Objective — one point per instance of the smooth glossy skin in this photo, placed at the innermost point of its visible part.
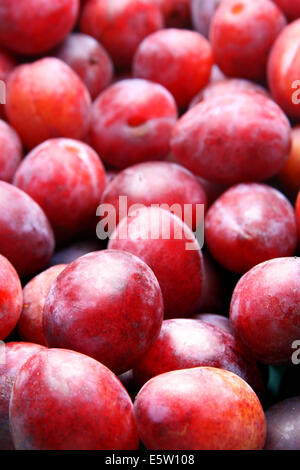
(66, 178)
(11, 151)
(132, 122)
(176, 13)
(30, 324)
(13, 356)
(216, 320)
(187, 343)
(120, 25)
(289, 177)
(264, 310)
(26, 237)
(11, 297)
(149, 183)
(219, 139)
(7, 64)
(248, 224)
(283, 425)
(46, 99)
(189, 59)
(242, 34)
(202, 12)
(88, 58)
(171, 250)
(284, 70)
(107, 305)
(199, 409)
(291, 8)
(35, 26)
(214, 292)
(228, 85)
(63, 400)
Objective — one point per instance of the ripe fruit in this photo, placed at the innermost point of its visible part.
(187, 343)
(132, 122)
(248, 224)
(264, 310)
(289, 176)
(30, 324)
(86, 56)
(106, 304)
(176, 13)
(47, 99)
(149, 183)
(283, 425)
(202, 12)
(11, 151)
(26, 237)
(284, 70)
(63, 400)
(237, 137)
(12, 358)
(35, 26)
(189, 59)
(120, 25)
(11, 297)
(242, 34)
(199, 409)
(66, 178)
(171, 250)
(291, 8)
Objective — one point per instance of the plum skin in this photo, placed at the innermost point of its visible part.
(203, 408)
(11, 297)
(106, 304)
(16, 354)
(131, 122)
(34, 27)
(249, 224)
(30, 324)
(47, 99)
(188, 343)
(66, 178)
(177, 262)
(220, 138)
(264, 311)
(64, 400)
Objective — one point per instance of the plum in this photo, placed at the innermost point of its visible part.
(149, 183)
(120, 25)
(47, 99)
(248, 224)
(26, 236)
(283, 425)
(107, 305)
(203, 408)
(189, 59)
(30, 324)
(171, 250)
(132, 122)
(11, 152)
(233, 138)
(187, 343)
(242, 34)
(66, 178)
(11, 297)
(15, 355)
(35, 26)
(88, 58)
(63, 400)
(264, 310)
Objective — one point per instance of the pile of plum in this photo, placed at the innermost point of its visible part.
(120, 328)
